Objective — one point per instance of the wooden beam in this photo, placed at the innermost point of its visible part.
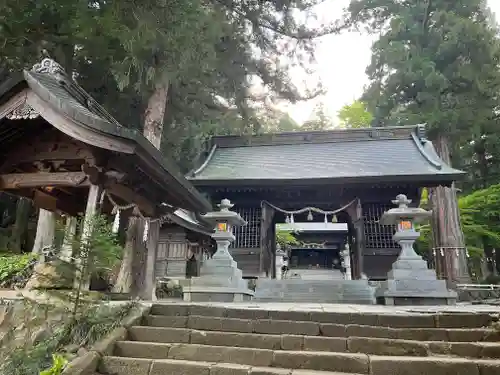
(26, 155)
(141, 177)
(51, 203)
(112, 182)
(16, 181)
(129, 196)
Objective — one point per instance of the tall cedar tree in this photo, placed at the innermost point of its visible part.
(435, 62)
(207, 70)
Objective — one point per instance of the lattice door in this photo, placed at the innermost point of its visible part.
(377, 236)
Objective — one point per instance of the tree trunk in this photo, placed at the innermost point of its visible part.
(17, 239)
(45, 231)
(153, 130)
(447, 229)
(124, 280)
(155, 112)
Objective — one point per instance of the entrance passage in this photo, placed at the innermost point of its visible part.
(316, 258)
(316, 251)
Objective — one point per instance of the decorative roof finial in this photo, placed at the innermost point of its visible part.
(49, 66)
(421, 132)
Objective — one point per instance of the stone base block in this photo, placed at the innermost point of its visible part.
(216, 294)
(416, 301)
(415, 292)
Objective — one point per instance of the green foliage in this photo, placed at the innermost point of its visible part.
(491, 279)
(276, 121)
(169, 289)
(97, 252)
(480, 213)
(58, 364)
(15, 269)
(355, 115)
(480, 157)
(210, 54)
(436, 63)
(319, 121)
(92, 324)
(480, 217)
(286, 239)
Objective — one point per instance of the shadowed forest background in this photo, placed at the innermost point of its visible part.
(184, 70)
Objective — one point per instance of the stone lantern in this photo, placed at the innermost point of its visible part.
(410, 281)
(220, 278)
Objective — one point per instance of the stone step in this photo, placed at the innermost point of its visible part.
(318, 291)
(308, 328)
(408, 320)
(367, 345)
(318, 361)
(139, 366)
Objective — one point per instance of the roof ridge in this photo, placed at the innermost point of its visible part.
(200, 169)
(325, 136)
(55, 70)
(438, 164)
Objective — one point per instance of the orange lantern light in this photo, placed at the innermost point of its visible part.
(405, 225)
(222, 227)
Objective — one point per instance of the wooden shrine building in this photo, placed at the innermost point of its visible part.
(65, 152)
(313, 174)
(183, 244)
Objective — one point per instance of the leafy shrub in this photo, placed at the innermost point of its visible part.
(95, 255)
(286, 239)
(91, 325)
(169, 289)
(491, 279)
(58, 363)
(15, 270)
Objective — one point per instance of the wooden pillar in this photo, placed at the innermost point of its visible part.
(263, 237)
(272, 260)
(355, 212)
(18, 235)
(266, 241)
(148, 291)
(360, 246)
(91, 210)
(69, 237)
(45, 230)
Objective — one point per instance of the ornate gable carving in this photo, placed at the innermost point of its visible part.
(23, 112)
(49, 66)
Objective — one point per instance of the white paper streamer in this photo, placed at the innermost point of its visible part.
(116, 222)
(146, 230)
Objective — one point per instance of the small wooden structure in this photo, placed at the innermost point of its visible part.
(183, 244)
(61, 149)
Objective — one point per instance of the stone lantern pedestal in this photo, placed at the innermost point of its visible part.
(220, 278)
(410, 282)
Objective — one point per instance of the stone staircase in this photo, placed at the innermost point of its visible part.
(318, 291)
(180, 339)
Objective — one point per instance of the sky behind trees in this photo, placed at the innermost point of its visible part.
(341, 61)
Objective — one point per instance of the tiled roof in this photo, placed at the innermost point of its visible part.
(66, 97)
(402, 156)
